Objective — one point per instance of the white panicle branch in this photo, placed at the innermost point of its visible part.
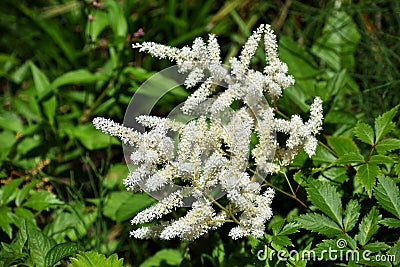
(214, 151)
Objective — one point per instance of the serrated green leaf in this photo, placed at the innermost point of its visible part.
(324, 246)
(396, 168)
(319, 223)
(325, 197)
(351, 215)
(376, 246)
(342, 145)
(384, 124)
(92, 258)
(350, 158)
(395, 251)
(390, 222)
(168, 256)
(350, 242)
(380, 159)
(368, 226)
(366, 175)
(389, 144)
(39, 244)
(276, 224)
(306, 255)
(255, 244)
(388, 195)
(289, 228)
(60, 251)
(279, 242)
(364, 133)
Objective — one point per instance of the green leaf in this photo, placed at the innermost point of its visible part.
(338, 42)
(11, 121)
(376, 246)
(351, 215)
(49, 108)
(324, 246)
(81, 76)
(340, 117)
(364, 133)
(8, 190)
(121, 206)
(60, 251)
(219, 251)
(342, 145)
(93, 139)
(390, 222)
(7, 141)
(302, 66)
(92, 258)
(322, 155)
(40, 80)
(368, 226)
(319, 223)
(7, 218)
(279, 242)
(380, 159)
(276, 224)
(95, 27)
(325, 197)
(395, 251)
(39, 244)
(389, 144)
(388, 195)
(384, 124)
(366, 175)
(114, 177)
(117, 19)
(335, 174)
(165, 256)
(24, 192)
(350, 158)
(396, 168)
(289, 228)
(40, 200)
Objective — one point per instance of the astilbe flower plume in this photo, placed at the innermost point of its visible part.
(213, 153)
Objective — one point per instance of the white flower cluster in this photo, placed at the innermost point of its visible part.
(213, 154)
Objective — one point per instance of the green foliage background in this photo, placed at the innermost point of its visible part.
(64, 62)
